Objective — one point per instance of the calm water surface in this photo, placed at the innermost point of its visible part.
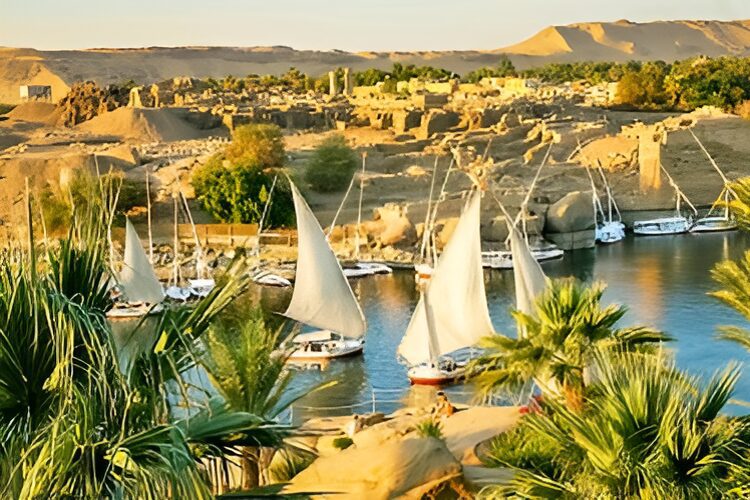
(663, 280)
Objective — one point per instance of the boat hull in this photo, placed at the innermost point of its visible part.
(661, 227)
(610, 232)
(713, 225)
(430, 375)
(326, 350)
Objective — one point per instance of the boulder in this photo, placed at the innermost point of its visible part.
(397, 229)
(385, 471)
(496, 230)
(573, 212)
(437, 121)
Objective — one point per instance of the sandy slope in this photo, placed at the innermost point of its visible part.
(143, 125)
(620, 40)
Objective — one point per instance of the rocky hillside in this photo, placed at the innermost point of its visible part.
(619, 41)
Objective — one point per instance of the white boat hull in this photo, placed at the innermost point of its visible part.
(504, 259)
(610, 232)
(270, 279)
(428, 374)
(319, 350)
(664, 226)
(713, 225)
(361, 269)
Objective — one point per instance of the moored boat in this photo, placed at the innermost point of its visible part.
(452, 311)
(713, 224)
(141, 291)
(662, 226)
(322, 297)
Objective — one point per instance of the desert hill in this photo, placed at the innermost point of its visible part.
(621, 40)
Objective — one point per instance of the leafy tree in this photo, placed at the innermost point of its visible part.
(649, 431)
(238, 193)
(568, 327)
(503, 69)
(258, 143)
(369, 77)
(644, 88)
(332, 165)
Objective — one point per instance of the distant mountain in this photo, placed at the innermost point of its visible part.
(620, 41)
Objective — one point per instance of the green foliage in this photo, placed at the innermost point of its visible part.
(503, 69)
(648, 431)
(257, 143)
(723, 82)
(369, 77)
(238, 193)
(558, 342)
(234, 186)
(644, 88)
(342, 443)
(6, 108)
(429, 429)
(332, 165)
(591, 72)
(57, 205)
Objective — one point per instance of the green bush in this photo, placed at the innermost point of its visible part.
(57, 204)
(342, 443)
(257, 143)
(237, 193)
(331, 166)
(6, 108)
(429, 428)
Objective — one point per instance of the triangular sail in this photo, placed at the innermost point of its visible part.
(322, 296)
(137, 277)
(529, 277)
(455, 298)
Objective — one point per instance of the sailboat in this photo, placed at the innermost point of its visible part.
(667, 225)
(543, 250)
(263, 277)
(452, 311)
(141, 291)
(715, 223)
(608, 228)
(322, 297)
(359, 268)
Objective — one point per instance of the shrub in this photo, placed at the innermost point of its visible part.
(257, 143)
(57, 204)
(331, 166)
(342, 443)
(238, 193)
(429, 428)
(6, 108)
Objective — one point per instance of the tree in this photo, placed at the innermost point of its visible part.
(257, 143)
(238, 193)
(332, 165)
(644, 88)
(568, 327)
(505, 68)
(650, 431)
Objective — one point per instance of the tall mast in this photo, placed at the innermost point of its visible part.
(425, 233)
(359, 210)
(175, 263)
(150, 232)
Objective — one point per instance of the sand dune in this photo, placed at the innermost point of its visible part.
(621, 40)
(143, 125)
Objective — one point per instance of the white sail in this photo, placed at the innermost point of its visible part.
(529, 277)
(452, 313)
(322, 296)
(137, 277)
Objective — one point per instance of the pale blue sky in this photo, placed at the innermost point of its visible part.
(323, 24)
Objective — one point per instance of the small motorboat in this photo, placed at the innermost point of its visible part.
(662, 226)
(324, 344)
(713, 225)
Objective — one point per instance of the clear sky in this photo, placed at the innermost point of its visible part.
(323, 24)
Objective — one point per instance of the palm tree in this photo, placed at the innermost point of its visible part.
(73, 423)
(247, 366)
(557, 343)
(649, 431)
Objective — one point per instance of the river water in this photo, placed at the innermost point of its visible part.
(663, 280)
